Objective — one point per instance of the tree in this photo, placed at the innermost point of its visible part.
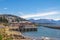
(0, 19)
(3, 20)
(17, 20)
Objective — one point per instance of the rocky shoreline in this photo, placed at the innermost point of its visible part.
(14, 35)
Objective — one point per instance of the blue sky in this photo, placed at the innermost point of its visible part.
(36, 9)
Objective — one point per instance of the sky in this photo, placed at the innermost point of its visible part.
(31, 9)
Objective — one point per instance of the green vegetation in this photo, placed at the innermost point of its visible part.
(5, 38)
(0, 37)
(4, 35)
(3, 20)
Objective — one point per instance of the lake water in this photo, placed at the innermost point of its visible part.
(44, 32)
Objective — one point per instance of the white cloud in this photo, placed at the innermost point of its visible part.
(54, 18)
(47, 18)
(5, 8)
(39, 14)
(20, 13)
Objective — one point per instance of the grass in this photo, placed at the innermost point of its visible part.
(1, 37)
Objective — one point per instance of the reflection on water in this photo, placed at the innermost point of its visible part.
(44, 32)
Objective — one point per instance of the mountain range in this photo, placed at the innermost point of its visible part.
(45, 21)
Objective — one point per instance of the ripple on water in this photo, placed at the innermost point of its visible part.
(44, 32)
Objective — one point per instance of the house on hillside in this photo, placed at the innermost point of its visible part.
(21, 23)
(24, 26)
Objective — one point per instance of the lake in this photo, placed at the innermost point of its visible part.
(44, 32)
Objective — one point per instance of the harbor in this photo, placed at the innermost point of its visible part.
(42, 33)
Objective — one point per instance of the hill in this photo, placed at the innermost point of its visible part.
(12, 18)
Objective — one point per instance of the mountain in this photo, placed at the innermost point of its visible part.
(43, 21)
(50, 23)
(47, 22)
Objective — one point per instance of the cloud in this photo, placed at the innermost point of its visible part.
(5, 8)
(54, 18)
(20, 13)
(40, 14)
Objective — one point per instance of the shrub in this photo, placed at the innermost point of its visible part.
(0, 37)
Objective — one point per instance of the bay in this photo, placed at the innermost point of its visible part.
(44, 32)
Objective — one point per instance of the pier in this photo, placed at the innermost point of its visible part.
(23, 26)
(27, 28)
